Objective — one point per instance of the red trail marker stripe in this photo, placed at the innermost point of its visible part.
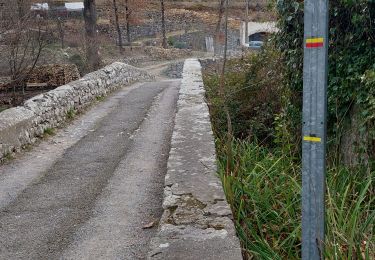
(314, 42)
(314, 45)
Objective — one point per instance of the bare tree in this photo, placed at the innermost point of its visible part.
(132, 15)
(229, 166)
(128, 12)
(22, 8)
(23, 40)
(92, 46)
(222, 75)
(117, 24)
(218, 25)
(163, 29)
(60, 27)
(25, 47)
(247, 2)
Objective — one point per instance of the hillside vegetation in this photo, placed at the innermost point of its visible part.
(259, 150)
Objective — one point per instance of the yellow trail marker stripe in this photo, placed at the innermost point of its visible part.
(312, 139)
(315, 40)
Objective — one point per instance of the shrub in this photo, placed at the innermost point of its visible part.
(180, 45)
(79, 61)
(263, 183)
(252, 94)
(49, 131)
(351, 55)
(171, 41)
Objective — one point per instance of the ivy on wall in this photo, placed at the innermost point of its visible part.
(351, 59)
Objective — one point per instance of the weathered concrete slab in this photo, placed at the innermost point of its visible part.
(196, 223)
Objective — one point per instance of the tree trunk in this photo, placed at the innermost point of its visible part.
(354, 143)
(92, 52)
(21, 9)
(218, 25)
(60, 26)
(117, 24)
(127, 16)
(165, 44)
(229, 151)
(247, 22)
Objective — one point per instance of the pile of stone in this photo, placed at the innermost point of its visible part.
(4, 80)
(5, 83)
(50, 76)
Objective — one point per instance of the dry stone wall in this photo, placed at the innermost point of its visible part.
(21, 125)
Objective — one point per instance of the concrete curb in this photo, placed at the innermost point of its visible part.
(196, 223)
(21, 125)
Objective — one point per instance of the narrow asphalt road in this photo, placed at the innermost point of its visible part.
(87, 192)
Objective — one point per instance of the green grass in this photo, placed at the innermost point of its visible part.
(49, 131)
(3, 108)
(100, 98)
(264, 190)
(8, 156)
(71, 114)
(262, 179)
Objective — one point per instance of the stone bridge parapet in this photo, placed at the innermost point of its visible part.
(21, 125)
(197, 220)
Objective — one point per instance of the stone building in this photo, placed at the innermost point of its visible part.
(256, 31)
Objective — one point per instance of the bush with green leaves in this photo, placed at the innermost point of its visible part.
(351, 60)
(252, 93)
(263, 93)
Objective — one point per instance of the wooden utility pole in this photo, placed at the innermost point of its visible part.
(117, 24)
(92, 52)
(165, 44)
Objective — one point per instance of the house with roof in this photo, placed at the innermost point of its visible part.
(40, 9)
(58, 9)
